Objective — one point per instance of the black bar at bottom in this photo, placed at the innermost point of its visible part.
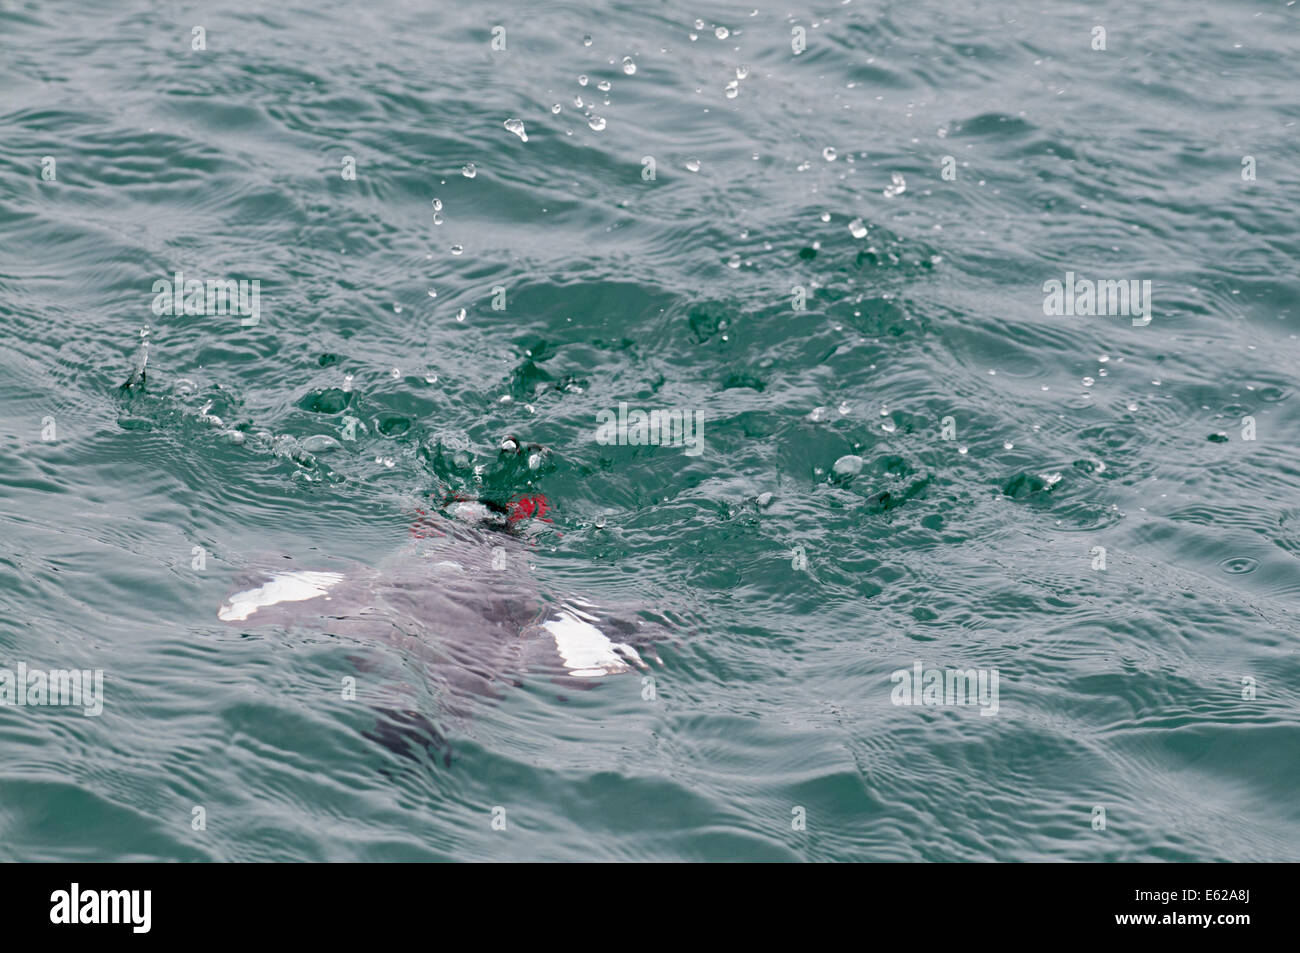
(947, 903)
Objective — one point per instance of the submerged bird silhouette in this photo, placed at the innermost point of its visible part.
(459, 598)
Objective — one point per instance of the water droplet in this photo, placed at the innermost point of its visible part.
(457, 249)
(1008, 445)
(586, 39)
(396, 374)
(437, 205)
(963, 450)
(319, 443)
(582, 80)
(597, 123)
(699, 24)
(818, 414)
(733, 261)
(577, 102)
(397, 309)
(732, 90)
(432, 293)
(897, 185)
(829, 154)
(721, 32)
(693, 165)
(889, 426)
(468, 170)
(1239, 564)
(517, 127)
(460, 315)
(847, 465)
(437, 218)
(556, 108)
(857, 229)
(742, 72)
(628, 66)
(604, 85)
(1088, 382)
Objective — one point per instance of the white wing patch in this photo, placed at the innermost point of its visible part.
(295, 586)
(586, 651)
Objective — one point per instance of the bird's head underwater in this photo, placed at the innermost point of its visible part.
(501, 503)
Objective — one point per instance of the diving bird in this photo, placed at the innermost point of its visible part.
(459, 600)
